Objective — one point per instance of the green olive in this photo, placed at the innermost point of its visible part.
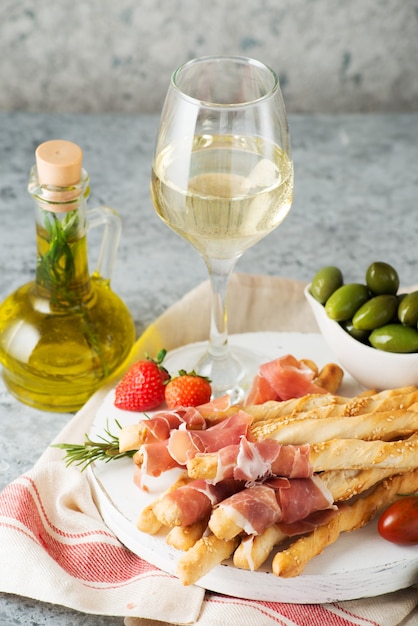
(356, 333)
(345, 301)
(382, 278)
(376, 312)
(408, 309)
(395, 338)
(325, 282)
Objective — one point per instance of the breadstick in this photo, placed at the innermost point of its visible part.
(255, 549)
(223, 526)
(184, 537)
(192, 502)
(172, 512)
(311, 364)
(202, 557)
(328, 405)
(344, 484)
(273, 408)
(129, 438)
(147, 521)
(203, 466)
(340, 454)
(330, 377)
(384, 425)
(292, 561)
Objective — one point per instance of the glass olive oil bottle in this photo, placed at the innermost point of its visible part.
(63, 334)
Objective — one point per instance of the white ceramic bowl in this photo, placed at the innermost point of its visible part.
(372, 368)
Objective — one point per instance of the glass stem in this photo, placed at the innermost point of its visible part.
(218, 363)
(220, 271)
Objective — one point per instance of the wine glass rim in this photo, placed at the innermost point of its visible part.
(226, 58)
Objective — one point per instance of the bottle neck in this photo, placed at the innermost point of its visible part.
(62, 272)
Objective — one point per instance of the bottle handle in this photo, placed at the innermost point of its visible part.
(110, 219)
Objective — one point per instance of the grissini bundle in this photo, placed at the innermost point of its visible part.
(362, 450)
(251, 551)
(293, 560)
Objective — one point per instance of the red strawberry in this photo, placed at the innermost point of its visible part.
(187, 389)
(142, 387)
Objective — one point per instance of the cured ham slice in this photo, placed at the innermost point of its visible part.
(185, 444)
(153, 459)
(182, 444)
(261, 391)
(301, 497)
(158, 427)
(309, 523)
(215, 407)
(252, 461)
(256, 508)
(251, 510)
(282, 379)
(193, 502)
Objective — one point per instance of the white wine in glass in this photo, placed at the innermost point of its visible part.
(222, 178)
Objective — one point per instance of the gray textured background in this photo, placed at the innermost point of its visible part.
(106, 56)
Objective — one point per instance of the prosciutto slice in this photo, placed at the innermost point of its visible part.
(287, 500)
(282, 379)
(185, 444)
(158, 456)
(301, 497)
(252, 510)
(154, 458)
(193, 502)
(159, 427)
(309, 523)
(252, 461)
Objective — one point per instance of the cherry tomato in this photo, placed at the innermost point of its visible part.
(399, 522)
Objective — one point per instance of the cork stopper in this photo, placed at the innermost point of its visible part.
(59, 163)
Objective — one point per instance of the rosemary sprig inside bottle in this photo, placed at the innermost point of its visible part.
(56, 267)
(104, 449)
(62, 270)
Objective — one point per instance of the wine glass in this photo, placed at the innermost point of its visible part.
(222, 178)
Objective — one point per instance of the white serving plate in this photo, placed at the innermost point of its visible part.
(359, 564)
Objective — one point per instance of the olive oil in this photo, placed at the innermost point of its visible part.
(63, 334)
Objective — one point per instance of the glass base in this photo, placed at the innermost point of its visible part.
(232, 375)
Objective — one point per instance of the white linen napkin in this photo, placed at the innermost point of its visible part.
(54, 546)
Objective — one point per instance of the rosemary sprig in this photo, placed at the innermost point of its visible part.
(82, 455)
(56, 271)
(56, 266)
